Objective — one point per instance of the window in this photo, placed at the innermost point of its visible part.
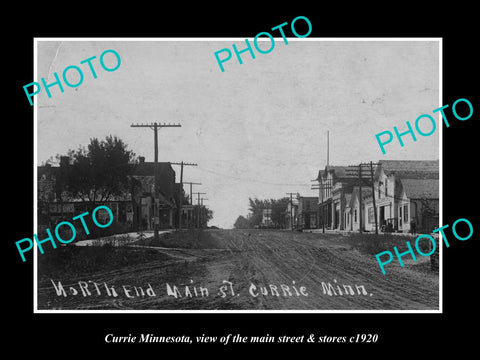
(405, 213)
(400, 216)
(386, 187)
(355, 215)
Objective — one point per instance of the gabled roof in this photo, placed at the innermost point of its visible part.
(416, 175)
(405, 166)
(421, 188)
(366, 192)
(348, 199)
(409, 169)
(337, 171)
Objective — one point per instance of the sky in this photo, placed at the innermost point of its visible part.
(259, 129)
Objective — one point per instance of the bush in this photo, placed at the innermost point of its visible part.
(188, 239)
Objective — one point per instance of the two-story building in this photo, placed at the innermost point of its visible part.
(132, 210)
(326, 181)
(335, 190)
(144, 194)
(307, 212)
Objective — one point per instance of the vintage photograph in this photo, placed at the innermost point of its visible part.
(166, 184)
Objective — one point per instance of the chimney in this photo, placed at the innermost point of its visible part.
(141, 159)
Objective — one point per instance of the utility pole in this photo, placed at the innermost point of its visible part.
(328, 148)
(155, 126)
(322, 187)
(370, 165)
(182, 164)
(191, 183)
(360, 197)
(370, 178)
(198, 207)
(365, 178)
(203, 211)
(373, 194)
(191, 199)
(291, 208)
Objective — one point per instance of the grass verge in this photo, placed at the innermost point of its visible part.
(185, 239)
(75, 260)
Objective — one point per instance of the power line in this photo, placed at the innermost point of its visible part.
(182, 164)
(198, 207)
(191, 183)
(322, 188)
(252, 180)
(155, 126)
(291, 208)
(190, 213)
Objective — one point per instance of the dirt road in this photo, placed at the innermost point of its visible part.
(248, 270)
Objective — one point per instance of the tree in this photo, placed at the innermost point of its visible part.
(256, 211)
(242, 223)
(97, 173)
(205, 215)
(278, 212)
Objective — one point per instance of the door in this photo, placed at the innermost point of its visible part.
(382, 215)
(307, 220)
(337, 215)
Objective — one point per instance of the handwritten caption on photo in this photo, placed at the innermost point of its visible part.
(193, 290)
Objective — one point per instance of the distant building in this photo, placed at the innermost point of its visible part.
(307, 216)
(267, 217)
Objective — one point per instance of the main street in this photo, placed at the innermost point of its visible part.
(246, 270)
